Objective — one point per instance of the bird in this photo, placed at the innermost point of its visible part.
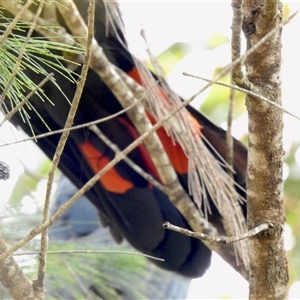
(127, 203)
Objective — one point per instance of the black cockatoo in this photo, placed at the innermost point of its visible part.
(127, 203)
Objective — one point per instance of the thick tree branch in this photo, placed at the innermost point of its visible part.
(14, 280)
(268, 266)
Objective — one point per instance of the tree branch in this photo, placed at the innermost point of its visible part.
(63, 141)
(14, 280)
(268, 271)
(219, 239)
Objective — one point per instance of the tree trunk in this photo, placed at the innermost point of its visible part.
(268, 266)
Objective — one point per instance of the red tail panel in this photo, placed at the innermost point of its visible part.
(111, 180)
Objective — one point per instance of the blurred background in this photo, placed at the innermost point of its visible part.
(192, 37)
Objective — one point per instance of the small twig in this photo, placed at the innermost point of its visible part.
(84, 125)
(86, 292)
(90, 252)
(248, 92)
(236, 72)
(237, 75)
(229, 137)
(219, 239)
(63, 140)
